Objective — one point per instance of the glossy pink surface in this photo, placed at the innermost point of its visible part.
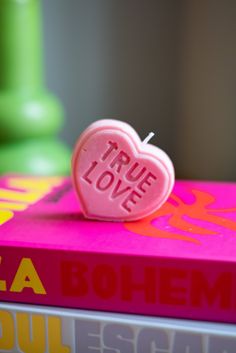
(198, 221)
(178, 262)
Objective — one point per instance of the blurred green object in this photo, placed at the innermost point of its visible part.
(30, 117)
(37, 156)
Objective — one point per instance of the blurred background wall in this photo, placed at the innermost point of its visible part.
(162, 65)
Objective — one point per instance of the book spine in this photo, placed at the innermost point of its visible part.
(26, 329)
(139, 285)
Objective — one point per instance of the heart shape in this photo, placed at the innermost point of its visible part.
(118, 177)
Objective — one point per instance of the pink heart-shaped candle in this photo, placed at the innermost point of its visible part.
(117, 176)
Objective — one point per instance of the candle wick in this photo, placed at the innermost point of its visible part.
(148, 138)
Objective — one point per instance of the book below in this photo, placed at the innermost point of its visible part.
(28, 328)
(178, 262)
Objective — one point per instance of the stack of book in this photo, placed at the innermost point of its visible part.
(165, 284)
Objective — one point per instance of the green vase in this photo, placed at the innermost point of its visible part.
(30, 117)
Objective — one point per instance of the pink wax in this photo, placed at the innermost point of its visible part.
(117, 176)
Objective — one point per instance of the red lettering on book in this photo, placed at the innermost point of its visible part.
(104, 281)
(173, 286)
(129, 285)
(217, 293)
(74, 282)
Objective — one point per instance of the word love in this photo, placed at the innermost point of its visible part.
(117, 176)
(135, 174)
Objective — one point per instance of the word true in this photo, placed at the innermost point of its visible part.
(133, 180)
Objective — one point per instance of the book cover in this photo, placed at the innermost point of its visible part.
(26, 329)
(179, 262)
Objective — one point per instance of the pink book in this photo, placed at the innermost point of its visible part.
(178, 262)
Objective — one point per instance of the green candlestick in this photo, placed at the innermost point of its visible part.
(28, 112)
